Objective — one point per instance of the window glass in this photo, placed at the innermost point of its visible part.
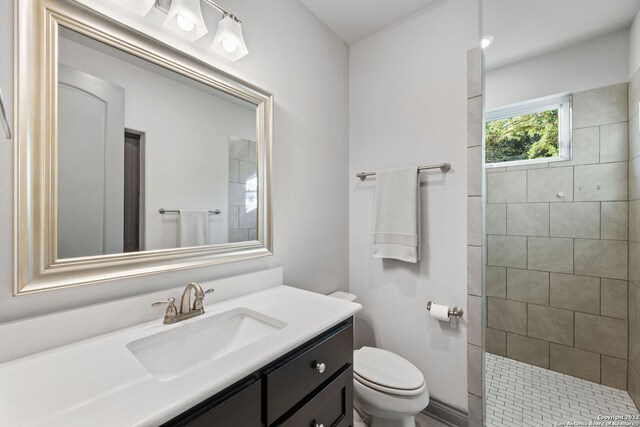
(530, 132)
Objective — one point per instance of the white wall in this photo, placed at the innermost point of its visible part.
(186, 141)
(602, 61)
(305, 65)
(634, 46)
(408, 104)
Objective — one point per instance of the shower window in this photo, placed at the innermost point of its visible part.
(535, 131)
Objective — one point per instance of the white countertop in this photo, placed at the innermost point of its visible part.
(99, 382)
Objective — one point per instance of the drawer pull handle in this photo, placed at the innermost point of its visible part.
(315, 424)
(319, 366)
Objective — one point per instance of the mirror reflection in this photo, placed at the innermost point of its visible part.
(147, 158)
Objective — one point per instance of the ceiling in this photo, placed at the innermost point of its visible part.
(353, 20)
(525, 28)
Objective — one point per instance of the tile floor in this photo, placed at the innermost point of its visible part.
(519, 394)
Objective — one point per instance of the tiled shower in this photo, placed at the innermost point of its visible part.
(558, 250)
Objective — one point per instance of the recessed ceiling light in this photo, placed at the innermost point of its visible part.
(486, 41)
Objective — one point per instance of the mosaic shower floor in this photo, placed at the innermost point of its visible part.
(519, 394)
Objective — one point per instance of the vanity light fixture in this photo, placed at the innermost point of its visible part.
(141, 7)
(486, 41)
(185, 18)
(229, 41)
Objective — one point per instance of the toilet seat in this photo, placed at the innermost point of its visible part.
(387, 372)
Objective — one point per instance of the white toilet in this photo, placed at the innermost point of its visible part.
(388, 389)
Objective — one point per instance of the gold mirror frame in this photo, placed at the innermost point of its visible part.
(36, 267)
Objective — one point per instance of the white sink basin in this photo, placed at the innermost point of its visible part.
(172, 353)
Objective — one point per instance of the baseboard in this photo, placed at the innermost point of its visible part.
(446, 413)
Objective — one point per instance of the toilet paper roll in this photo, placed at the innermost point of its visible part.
(440, 312)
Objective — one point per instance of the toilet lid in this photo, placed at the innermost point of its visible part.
(386, 371)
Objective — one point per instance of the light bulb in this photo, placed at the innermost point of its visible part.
(486, 42)
(229, 45)
(185, 23)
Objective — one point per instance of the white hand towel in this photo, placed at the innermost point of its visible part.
(396, 222)
(194, 228)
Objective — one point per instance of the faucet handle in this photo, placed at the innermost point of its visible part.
(197, 303)
(172, 311)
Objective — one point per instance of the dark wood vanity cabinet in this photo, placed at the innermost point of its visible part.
(308, 387)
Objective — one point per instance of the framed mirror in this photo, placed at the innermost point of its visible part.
(131, 157)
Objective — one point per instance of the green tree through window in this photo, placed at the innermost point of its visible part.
(523, 137)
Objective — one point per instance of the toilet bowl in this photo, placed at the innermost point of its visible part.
(389, 390)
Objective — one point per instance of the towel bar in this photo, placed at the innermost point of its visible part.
(444, 167)
(176, 211)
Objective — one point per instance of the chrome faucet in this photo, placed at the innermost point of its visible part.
(187, 310)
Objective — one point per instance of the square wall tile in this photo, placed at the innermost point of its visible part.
(476, 409)
(585, 148)
(614, 372)
(634, 140)
(550, 254)
(602, 335)
(604, 182)
(613, 297)
(474, 320)
(634, 94)
(581, 219)
(474, 221)
(474, 270)
(615, 220)
(496, 281)
(550, 185)
(601, 258)
(474, 370)
(633, 385)
(574, 362)
(238, 148)
(238, 235)
(633, 221)
(578, 293)
(507, 315)
(600, 106)
(233, 170)
(232, 217)
(496, 342)
(614, 142)
(245, 171)
(528, 219)
(528, 350)
(634, 178)
(474, 171)
(496, 218)
(237, 194)
(474, 72)
(507, 187)
(474, 122)
(247, 219)
(507, 251)
(634, 259)
(550, 324)
(528, 286)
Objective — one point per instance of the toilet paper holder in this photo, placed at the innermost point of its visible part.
(455, 311)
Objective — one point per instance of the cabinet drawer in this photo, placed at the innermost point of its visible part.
(331, 407)
(290, 382)
(240, 410)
